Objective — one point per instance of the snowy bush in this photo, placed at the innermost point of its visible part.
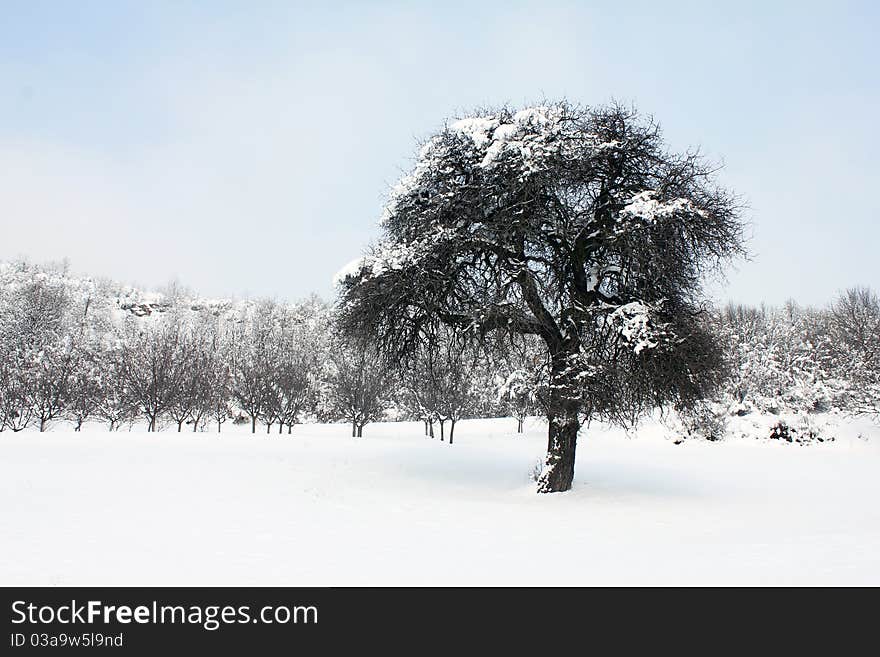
(705, 421)
(802, 430)
(802, 360)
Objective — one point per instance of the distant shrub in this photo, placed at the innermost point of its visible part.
(703, 421)
(801, 430)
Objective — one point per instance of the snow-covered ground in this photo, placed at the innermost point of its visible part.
(395, 508)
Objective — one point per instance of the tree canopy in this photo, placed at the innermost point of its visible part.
(571, 223)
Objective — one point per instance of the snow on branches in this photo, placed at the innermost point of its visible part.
(637, 328)
(572, 224)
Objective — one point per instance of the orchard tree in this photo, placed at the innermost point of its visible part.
(39, 352)
(221, 397)
(438, 384)
(86, 388)
(854, 331)
(117, 404)
(298, 368)
(16, 411)
(417, 392)
(253, 355)
(518, 393)
(357, 384)
(520, 384)
(153, 368)
(51, 369)
(451, 365)
(218, 378)
(199, 349)
(570, 223)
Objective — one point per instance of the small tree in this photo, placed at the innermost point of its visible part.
(116, 405)
(51, 370)
(517, 391)
(220, 394)
(153, 368)
(249, 385)
(41, 350)
(449, 364)
(417, 392)
(357, 384)
(16, 411)
(522, 385)
(218, 381)
(193, 400)
(572, 224)
(253, 363)
(296, 385)
(854, 344)
(86, 389)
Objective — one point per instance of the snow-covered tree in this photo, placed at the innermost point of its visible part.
(298, 368)
(116, 405)
(153, 367)
(253, 353)
(357, 383)
(86, 388)
(573, 224)
(438, 383)
(51, 372)
(778, 359)
(205, 387)
(520, 381)
(854, 347)
(16, 411)
(518, 393)
(218, 378)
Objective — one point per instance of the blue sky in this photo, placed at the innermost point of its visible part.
(246, 147)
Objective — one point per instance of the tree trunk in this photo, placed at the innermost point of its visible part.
(280, 428)
(360, 431)
(42, 425)
(519, 424)
(253, 424)
(218, 426)
(290, 428)
(451, 430)
(441, 430)
(563, 414)
(426, 427)
(354, 429)
(431, 425)
(179, 426)
(558, 472)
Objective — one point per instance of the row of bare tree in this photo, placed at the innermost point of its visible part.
(76, 354)
(63, 356)
(73, 357)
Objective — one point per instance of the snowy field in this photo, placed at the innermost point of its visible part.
(394, 508)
